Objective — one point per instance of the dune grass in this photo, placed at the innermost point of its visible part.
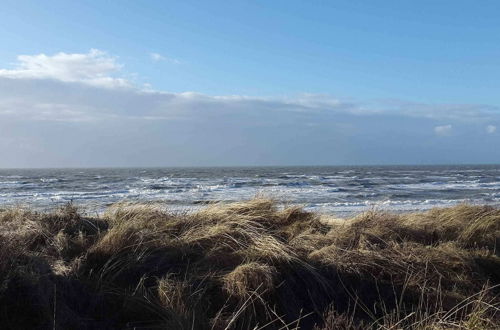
(249, 265)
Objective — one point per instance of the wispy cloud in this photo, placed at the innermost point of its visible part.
(156, 57)
(443, 130)
(490, 129)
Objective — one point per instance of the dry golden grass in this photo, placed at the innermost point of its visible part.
(249, 265)
(249, 278)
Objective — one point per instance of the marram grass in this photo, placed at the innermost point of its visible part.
(249, 265)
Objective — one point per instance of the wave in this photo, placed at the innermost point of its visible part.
(326, 188)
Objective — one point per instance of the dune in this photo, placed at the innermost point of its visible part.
(249, 265)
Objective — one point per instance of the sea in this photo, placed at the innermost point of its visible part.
(337, 190)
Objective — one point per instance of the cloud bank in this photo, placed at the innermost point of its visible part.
(50, 104)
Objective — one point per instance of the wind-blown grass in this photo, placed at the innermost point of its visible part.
(249, 265)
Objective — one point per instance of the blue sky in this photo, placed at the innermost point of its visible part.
(248, 83)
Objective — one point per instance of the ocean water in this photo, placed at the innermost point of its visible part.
(338, 190)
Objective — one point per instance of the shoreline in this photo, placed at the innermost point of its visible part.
(99, 209)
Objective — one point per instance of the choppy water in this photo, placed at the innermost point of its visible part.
(338, 190)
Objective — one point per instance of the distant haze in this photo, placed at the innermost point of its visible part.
(88, 84)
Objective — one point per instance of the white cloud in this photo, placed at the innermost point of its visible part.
(50, 100)
(95, 68)
(63, 94)
(83, 87)
(73, 110)
(443, 130)
(156, 57)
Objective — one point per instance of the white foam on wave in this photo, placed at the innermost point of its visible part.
(345, 191)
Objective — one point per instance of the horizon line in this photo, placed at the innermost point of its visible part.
(246, 166)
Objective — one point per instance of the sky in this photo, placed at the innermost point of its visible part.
(245, 83)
